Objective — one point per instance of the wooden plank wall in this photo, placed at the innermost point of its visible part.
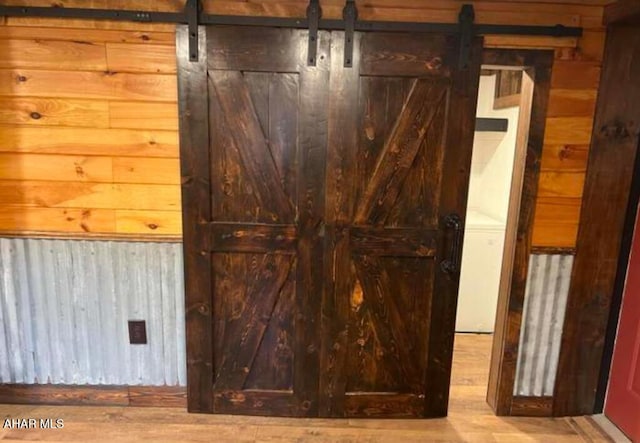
(88, 115)
(88, 128)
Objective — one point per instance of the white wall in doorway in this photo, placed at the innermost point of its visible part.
(490, 185)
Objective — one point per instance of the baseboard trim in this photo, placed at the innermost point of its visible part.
(608, 428)
(532, 406)
(97, 395)
(548, 250)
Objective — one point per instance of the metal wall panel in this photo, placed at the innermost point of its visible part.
(64, 307)
(542, 322)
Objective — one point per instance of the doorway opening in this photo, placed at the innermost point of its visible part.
(493, 210)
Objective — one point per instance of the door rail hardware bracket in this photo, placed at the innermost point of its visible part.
(314, 12)
(192, 12)
(465, 19)
(350, 15)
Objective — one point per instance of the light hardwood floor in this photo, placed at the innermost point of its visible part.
(470, 419)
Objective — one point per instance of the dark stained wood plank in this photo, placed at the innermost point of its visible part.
(370, 366)
(388, 322)
(244, 332)
(158, 396)
(532, 406)
(258, 86)
(95, 395)
(400, 151)
(549, 250)
(385, 406)
(312, 152)
(614, 147)
(261, 49)
(339, 207)
(233, 199)
(235, 100)
(535, 95)
(625, 12)
(399, 242)
(261, 403)
(418, 204)
(334, 322)
(231, 274)
(463, 95)
(272, 368)
(253, 238)
(194, 161)
(391, 54)
(283, 91)
(64, 395)
(227, 192)
(508, 83)
(376, 108)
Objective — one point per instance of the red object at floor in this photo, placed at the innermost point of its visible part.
(623, 398)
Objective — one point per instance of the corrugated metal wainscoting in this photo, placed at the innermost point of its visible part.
(64, 307)
(542, 321)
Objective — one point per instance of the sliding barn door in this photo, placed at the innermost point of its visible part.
(400, 137)
(323, 213)
(262, 163)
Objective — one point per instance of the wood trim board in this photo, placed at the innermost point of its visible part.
(196, 214)
(622, 12)
(547, 250)
(103, 395)
(608, 184)
(519, 232)
(531, 406)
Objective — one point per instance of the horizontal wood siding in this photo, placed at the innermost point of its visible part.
(92, 105)
(89, 130)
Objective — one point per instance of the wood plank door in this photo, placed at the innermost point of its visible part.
(267, 114)
(400, 138)
(253, 344)
(623, 396)
(323, 211)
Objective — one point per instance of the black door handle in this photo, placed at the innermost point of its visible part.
(451, 265)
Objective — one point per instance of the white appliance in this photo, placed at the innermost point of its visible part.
(480, 273)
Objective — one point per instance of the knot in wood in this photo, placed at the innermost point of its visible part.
(434, 64)
(615, 130)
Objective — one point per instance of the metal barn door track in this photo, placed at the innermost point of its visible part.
(193, 16)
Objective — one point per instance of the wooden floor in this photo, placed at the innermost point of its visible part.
(470, 419)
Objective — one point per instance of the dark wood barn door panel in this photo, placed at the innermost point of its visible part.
(266, 111)
(317, 235)
(401, 131)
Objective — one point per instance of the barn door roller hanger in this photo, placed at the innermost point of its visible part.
(193, 16)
